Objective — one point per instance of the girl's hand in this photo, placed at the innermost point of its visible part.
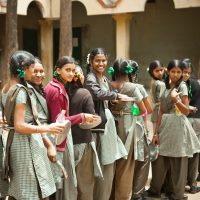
(51, 153)
(175, 94)
(155, 139)
(89, 118)
(56, 128)
(121, 96)
(193, 109)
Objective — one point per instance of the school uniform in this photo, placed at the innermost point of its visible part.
(178, 141)
(194, 118)
(142, 153)
(31, 176)
(87, 164)
(57, 100)
(109, 145)
(126, 123)
(157, 88)
(3, 183)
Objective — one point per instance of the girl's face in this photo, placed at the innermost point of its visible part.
(29, 72)
(99, 63)
(66, 72)
(158, 72)
(175, 74)
(38, 75)
(187, 73)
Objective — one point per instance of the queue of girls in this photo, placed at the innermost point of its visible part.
(53, 145)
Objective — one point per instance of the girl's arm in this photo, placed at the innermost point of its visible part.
(93, 86)
(25, 128)
(155, 136)
(182, 103)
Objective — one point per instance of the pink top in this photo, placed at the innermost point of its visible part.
(57, 100)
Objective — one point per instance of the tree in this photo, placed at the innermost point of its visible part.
(65, 43)
(11, 39)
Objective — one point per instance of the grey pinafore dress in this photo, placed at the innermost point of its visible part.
(157, 88)
(31, 176)
(3, 184)
(176, 135)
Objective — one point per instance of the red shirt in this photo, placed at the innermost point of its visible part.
(57, 100)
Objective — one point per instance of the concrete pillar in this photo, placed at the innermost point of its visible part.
(123, 35)
(46, 42)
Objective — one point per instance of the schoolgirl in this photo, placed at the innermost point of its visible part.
(109, 146)
(177, 144)
(58, 100)
(193, 94)
(126, 123)
(141, 147)
(156, 71)
(86, 159)
(29, 170)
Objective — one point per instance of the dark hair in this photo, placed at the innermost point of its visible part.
(92, 55)
(171, 65)
(186, 64)
(119, 67)
(153, 65)
(40, 87)
(20, 60)
(135, 72)
(63, 61)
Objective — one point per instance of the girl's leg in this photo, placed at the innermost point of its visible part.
(179, 167)
(85, 175)
(160, 168)
(103, 186)
(193, 173)
(141, 173)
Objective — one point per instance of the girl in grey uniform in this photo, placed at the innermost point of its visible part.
(126, 127)
(176, 144)
(193, 90)
(156, 71)
(30, 173)
(142, 150)
(109, 146)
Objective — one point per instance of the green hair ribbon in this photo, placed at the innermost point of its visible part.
(21, 73)
(111, 71)
(128, 69)
(55, 74)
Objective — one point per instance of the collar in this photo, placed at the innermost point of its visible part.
(58, 85)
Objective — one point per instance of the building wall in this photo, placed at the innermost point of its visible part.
(97, 31)
(161, 32)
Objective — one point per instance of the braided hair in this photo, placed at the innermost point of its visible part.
(120, 68)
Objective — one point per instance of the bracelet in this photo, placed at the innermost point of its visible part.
(155, 135)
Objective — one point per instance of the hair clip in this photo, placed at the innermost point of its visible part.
(128, 69)
(21, 73)
(55, 74)
(111, 71)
